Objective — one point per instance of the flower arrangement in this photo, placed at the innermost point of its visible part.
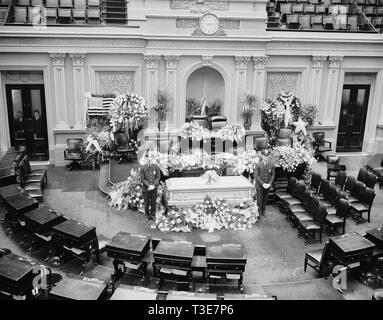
(210, 176)
(308, 113)
(163, 101)
(193, 107)
(232, 132)
(128, 110)
(272, 116)
(209, 215)
(129, 193)
(248, 108)
(194, 131)
(291, 101)
(246, 162)
(97, 147)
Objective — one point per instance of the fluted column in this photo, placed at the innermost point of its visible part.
(315, 84)
(78, 70)
(259, 81)
(58, 66)
(171, 63)
(335, 64)
(241, 64)
(152, 62)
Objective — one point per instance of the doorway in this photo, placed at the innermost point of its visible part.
(352, 118)
(27, 119)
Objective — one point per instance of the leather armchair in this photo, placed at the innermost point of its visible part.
(320, 145)
(73, 153)
(124, 150)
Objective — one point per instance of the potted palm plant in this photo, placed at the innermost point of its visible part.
(248, 108)
(163, 101)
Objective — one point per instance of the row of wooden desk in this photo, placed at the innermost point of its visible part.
(177, 258)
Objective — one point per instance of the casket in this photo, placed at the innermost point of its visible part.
(190, 191)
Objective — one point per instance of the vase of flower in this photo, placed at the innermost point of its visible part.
(248, 108)
(163, 101)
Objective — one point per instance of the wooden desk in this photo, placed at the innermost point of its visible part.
(41, 220)
(72, 234)
(173, 255)
(227, 260)
(10, 191)
(78, 289)
(124, 292)
(351, 248)
(7, 177)
(16, 275)
(131, 248)
(376, 236)
(183, 295)
(20, 204)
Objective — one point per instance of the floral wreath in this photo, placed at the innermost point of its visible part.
(129, 110)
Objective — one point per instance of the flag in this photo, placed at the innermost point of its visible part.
(203, 108)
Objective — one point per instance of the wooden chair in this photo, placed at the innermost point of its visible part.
(293, 21)
(333, 167)
(371, 180)
(317, 22)
(311, 228)
(364, 205)
(357, 192)
(317, 257)
(334, 221)
(362, 175)
(316, 180)
(20, 15)
(261, 143)
(340, 179)
(323, 190)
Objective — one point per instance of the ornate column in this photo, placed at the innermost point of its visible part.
(58, 64)
(241, 64)
(315, 83)
(259, 81)
(152, 62)
(171, 63)
(335, 64)
(78, 87)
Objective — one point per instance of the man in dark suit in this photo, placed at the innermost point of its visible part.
(264, 176)
(150, 178)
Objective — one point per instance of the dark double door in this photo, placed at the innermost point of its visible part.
(24, 101)
(352, 118)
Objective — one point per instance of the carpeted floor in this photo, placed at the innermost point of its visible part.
(275, 253)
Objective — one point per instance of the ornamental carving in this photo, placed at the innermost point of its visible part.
(199, 6)
(229, 24)
(335, 61)
(77, 58)
(207, 61)
(152, 61)
(171, 61)
(117, 82)
(260, 61)
(187, 23)
(318, 61)
(58, 58)
(281, 81)
(241, 62)
(194, 23)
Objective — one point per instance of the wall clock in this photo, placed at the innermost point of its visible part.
(209, 24)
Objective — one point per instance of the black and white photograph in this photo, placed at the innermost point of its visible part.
(229, 151)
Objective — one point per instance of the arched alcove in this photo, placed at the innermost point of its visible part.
(206, 82)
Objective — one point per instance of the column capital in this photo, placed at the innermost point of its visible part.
(77, 58)
(58, 58)
(241, 62)
(335, 62)
(260, 61)
(318, 61)
(171, 61)
(207, 60)
(152, 61)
